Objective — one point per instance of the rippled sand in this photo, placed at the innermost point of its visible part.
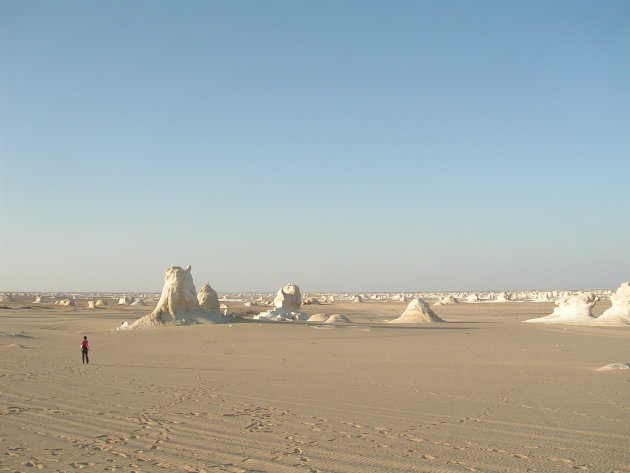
(483, 392)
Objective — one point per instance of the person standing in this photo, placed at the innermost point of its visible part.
(84, 351)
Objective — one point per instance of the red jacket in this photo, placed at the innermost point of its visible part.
(84, 345)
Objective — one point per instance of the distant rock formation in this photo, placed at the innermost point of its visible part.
(287, 305)
(124, 300)
(399, 297)
(504, 297)
(472, 298)
(446, 300)
(138, 302)
(619, 313)
(311, 301)
(571, 309)
(544, 297)
(101, 302)
(208, 298)
(178, 304)
(417, 312)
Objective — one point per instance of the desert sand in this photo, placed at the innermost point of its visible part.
(483, 392)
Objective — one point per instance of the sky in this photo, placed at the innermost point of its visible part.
(342, 146)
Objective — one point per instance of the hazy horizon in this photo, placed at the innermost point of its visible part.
(349, 147)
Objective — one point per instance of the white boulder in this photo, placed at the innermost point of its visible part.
(288, 297)
(417, 312)
(286, 306)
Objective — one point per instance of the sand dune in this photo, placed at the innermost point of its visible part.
(484, 393)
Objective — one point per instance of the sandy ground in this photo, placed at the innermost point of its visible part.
(482, 393)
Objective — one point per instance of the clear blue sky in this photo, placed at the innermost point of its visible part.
(353, 145)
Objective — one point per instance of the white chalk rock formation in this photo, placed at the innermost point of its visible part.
(504, 297)
(417, 312)
(178, 304)
(138, 302)
(357, 299)
(6, 298)
(619, 314)
(472, 298)
(124, 300)
(287, 305)
(311, 301)
(288, 297)
(544, 297)
(399, 297)
(337, 319)
(101, 302)
(208, 298)
(91, 305)
(571, 310)
(446, 300)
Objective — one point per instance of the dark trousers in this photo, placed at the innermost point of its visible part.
(84, 356)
